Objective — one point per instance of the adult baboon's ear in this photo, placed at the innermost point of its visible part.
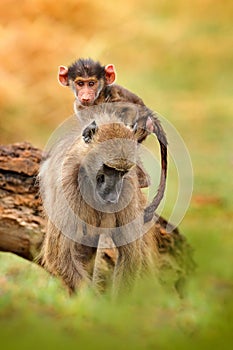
(89, 132)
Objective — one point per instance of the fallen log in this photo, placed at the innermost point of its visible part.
(22, 225)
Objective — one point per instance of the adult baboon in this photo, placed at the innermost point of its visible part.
(90, 190)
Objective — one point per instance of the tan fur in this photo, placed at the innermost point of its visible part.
(66, 256)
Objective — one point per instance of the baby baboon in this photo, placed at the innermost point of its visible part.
(94, 84)
(89, 189)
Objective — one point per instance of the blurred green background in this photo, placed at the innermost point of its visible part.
(176, 55)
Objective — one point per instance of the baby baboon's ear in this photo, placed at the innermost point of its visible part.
(89, 132)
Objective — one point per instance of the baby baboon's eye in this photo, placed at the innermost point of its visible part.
(80, 83)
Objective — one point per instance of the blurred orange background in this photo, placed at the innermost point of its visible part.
(175, 55)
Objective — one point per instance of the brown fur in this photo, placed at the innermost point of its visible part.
(117, 93)
(107, 92)
(69, 257)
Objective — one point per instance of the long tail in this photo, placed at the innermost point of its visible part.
(161, 136)
(150, 209)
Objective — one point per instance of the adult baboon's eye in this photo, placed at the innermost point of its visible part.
(123, 173)
(100, 179)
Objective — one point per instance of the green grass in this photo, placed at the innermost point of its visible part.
(177, 56)
(36, 311)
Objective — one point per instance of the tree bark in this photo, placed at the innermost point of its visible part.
(22, 225)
